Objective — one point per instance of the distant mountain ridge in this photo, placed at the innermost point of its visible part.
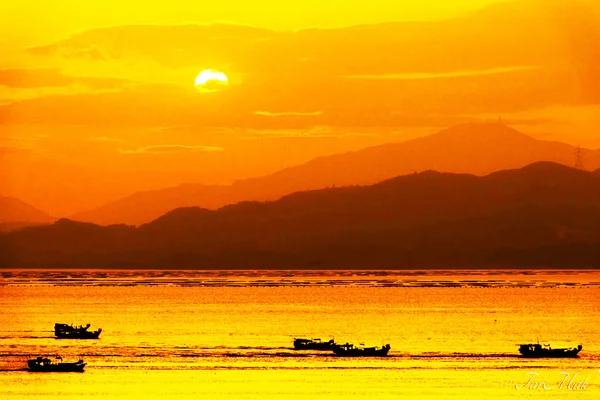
(15, 210)
(16, 214)
(477, 148)
(542, 215)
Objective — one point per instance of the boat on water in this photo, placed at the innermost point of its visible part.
(43, 364)
(349, 350)
(536, 350)
(313, 344)
(64, 331)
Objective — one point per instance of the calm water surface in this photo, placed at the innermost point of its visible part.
(221, 334)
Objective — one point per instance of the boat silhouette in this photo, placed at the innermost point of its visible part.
(349, 350)
(43, 364)
(64, 331)
(313, 344)
(536, 350)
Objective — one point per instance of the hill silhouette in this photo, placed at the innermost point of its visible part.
(478, 148)
(16, 214)
(542, 215)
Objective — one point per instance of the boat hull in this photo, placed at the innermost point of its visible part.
(536, 351)
(36, 366)
(560, 353)
(77, 335)
(344, 351)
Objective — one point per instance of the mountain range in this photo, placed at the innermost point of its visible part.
(542, 215)
(16, 214)
(476, 148)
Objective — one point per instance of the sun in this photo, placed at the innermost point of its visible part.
(210, 80)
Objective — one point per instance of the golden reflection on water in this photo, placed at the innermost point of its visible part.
(236, 342)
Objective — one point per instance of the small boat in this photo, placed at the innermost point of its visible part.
(313, 344)
(349, 350)
(536, 350)
(64, 331)
(42, 364)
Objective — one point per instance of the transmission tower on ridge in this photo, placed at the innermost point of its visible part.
(579, 154)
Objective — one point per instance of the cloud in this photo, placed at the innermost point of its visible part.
(289, 113)
(22, 148)
(92, 52)
(450, 74)
(26, 78)
(15, 144)
(10, 95)
(171, 148)
(105, 139)
(19, 84)
(171, 128)
(32, 78)
(316, 132)
(213, 45)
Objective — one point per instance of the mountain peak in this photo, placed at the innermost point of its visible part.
(15, 210)
(547, 172)
(482, 131)
(547, 166)
(181, 215)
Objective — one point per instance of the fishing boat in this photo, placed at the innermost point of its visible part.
(43, 364)
(536, 350)
(64, 331)
(313, 344)
(349, 350)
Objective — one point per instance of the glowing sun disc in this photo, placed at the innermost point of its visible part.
(210, 80)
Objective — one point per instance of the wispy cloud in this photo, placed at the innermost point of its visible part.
(25, 143)
(450, 74)
(53, 78)
(91, 52)
(21, 148)
(171, 128)
(105, 139)
(288, 113)
(316, 132)
(10, 95)
(170, 148)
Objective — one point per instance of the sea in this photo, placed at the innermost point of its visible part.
(229, 334)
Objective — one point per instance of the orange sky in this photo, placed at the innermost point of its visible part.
(97, 98)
